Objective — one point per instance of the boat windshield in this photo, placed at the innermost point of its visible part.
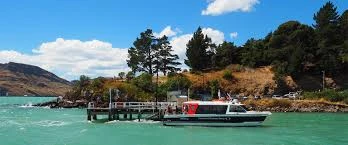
(245, 108)
(236, 108)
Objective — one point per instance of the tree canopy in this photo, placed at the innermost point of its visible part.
(151, 54)
(199, 51)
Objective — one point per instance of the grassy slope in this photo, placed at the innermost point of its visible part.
(258, 81)
(246, 81)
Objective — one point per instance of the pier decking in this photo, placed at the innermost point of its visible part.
(155, 110)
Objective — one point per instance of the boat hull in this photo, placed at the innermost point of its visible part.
(209, 124)
(215, 121)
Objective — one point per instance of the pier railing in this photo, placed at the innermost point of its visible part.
(137, 105)
(116, 108)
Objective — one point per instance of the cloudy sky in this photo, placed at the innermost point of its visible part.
(91, 37)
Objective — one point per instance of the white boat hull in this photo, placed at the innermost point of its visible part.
(241, 119)
(244, 124)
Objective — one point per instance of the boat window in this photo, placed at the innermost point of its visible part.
(211, 109)
(235, 108)
(245, 108)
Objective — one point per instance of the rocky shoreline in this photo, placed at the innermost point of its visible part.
(257, 105)
(297, 106)
(63, 104)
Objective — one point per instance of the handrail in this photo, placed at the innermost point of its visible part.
(138, 105)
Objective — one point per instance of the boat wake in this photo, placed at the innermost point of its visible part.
(142, 121)
(50, 123)
(28, 105)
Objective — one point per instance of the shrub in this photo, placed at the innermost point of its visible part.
(238, 68)
(177, 82)
(144, 82)
(214, 88)
(130, 75)
(227, 75)
(328, 94)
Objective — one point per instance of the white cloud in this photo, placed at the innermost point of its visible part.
(71, 58)
(167, 31)
(179, 47)
(216, 36)
(234, 35)
(179, 42)
(218, 7)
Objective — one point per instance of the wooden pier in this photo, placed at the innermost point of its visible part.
(155, 111)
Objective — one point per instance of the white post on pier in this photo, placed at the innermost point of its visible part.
(110, 98)
(188, 94)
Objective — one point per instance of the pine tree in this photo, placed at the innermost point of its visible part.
(328, 37)
(343, 24)
(327, 24)
(166, 61)
(199, 51)
(142, 55)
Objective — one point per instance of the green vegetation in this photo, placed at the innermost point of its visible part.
(227, 75)
(214, 88)
(121, 75)
(293, 48)
(328, 94)
(140, 88)
(199, 51)
(152, 55)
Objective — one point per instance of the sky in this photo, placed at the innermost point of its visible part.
(91, 37)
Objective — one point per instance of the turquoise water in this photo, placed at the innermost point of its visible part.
(25, 125)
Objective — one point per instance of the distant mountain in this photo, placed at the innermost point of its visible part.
(18, 79)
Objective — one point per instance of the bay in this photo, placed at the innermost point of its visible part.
(22, 124)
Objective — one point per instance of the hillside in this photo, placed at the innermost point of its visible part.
(260, 81)
(20, 79)
(245, 81)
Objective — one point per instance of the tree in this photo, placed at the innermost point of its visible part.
(326, 18)
(252, 53)
(134, 60)
(130, 75)
(226, 54)
(343, 24)
(291, 47)
(144, 81)
(81, 87)
(199, 51)
(122, 75)
(97, 86)
(142, 55)
(328, 37)
(83, 82)
(166, 61)
(178, 82)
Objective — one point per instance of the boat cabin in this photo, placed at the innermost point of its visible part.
(212, 107)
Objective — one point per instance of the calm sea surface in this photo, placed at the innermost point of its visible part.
(21, 124)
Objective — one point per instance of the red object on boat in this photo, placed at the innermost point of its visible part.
(190, 108)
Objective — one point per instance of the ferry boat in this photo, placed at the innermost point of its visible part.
(215, 113)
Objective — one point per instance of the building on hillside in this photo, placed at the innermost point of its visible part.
(178, 96)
